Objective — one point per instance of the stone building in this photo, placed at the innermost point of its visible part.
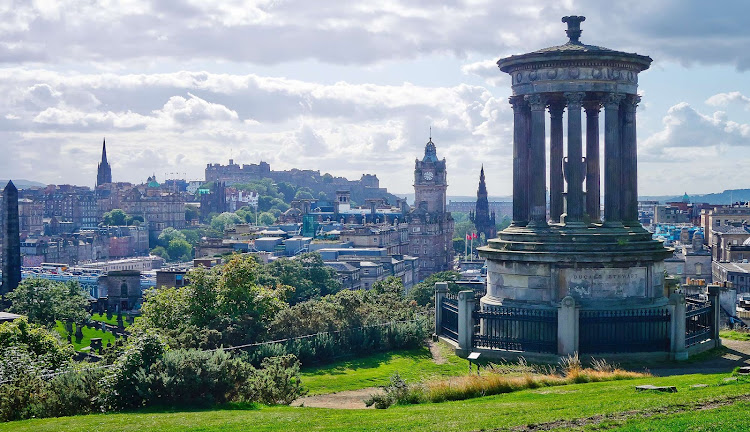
(483, 220)
(122, 289)
(690, 260)
(737, 274)
(430, 225)
(159, 208)
(726, 240)
(214, 202)
(720, 216)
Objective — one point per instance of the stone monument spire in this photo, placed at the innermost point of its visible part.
(104, 171)
(12, 240)
(483, 221)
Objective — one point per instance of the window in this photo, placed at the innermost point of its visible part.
(124, 290)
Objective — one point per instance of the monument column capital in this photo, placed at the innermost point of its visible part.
(611, 101)
(574, 99)
(537, 102)
(592, 107)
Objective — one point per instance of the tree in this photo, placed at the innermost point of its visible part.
(303, 194)
(226, 301)
(307, 275)
(424, 292)
(116, 217)
(180, 249)
(44, 301)
(169, 234)
(191, 213)
(36, 340)
(221, 222)
(266, 218)
(160, 252)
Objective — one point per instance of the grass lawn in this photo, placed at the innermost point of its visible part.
(375, 370)
(87, 335)
(111, 321)
(735, 335)
(578, 401)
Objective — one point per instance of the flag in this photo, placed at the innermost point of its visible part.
(468, 236)
(474, 236)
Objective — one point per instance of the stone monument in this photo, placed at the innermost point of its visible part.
(575, 255)
(12, 240)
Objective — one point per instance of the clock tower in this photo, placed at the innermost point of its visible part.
(430, 225)
(430, 181)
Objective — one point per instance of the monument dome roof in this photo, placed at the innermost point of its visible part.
(573, 50)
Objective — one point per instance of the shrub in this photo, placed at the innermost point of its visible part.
(72, 393)
(397, 391)
(276, 382)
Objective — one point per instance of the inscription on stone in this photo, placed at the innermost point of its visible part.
(605, 283)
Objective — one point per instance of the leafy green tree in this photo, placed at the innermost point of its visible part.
(308, 276)
(191, 213)
(424, 292)
(160, 252)
(391, 285)
(179, 249)
(226, 300)
(288, 190)
(169, 234)
(303, 194)
(36, 340)
(44, 301)
(116, 217)
(460, 229)
(223, 221)
(266, 218)
(505, 223)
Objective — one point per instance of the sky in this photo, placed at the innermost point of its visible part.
(349, 87)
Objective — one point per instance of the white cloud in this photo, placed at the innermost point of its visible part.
(342, 128)
(724, 99)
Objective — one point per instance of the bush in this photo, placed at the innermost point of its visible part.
(277, 382)
(396, 392)
(71, 393)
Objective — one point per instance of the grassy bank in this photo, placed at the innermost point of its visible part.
(564, 403)
(739, 335)
(375, 370)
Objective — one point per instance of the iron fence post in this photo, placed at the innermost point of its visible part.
(465, 322)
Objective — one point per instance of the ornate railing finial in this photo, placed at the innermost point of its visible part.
(574, 27)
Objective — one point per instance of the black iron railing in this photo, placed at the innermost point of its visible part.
(449, 316)
(698, 322)
(632, 330)
(516, 329)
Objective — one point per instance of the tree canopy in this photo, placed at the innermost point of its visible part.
(44, 301)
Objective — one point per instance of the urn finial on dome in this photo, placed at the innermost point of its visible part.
(574, 27)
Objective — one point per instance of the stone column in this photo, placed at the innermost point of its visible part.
(593, 198)
(465, 322)
(567, 326)
(629, 159)
(714, 291)
(678, 310)
(520, 161)
(537, 165)
(575, 166)
(556, 108)
(441, 289)
(612, 160)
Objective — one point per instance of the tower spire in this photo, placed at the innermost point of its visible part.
(104, 150)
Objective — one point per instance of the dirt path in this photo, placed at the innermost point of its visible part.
(437, 354)
(352, 399)
(737, 353)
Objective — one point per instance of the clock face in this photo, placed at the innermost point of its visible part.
(428, 175)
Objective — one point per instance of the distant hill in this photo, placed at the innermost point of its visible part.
(729, 196)
(22, 184)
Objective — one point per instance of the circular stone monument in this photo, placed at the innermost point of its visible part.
(603, 262)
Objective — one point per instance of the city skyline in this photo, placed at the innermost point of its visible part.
(349, 89)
